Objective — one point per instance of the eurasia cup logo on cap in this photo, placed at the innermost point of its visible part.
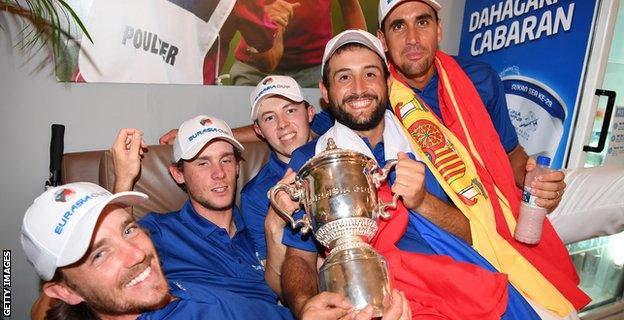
(274, 85)
(196, 132)
(64, 195)
(205, 122)
(267, 81)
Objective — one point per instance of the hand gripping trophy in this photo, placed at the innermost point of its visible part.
(338, 191)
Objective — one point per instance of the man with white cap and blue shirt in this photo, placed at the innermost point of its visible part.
(99, 264)
(281, 116)
(206, 240)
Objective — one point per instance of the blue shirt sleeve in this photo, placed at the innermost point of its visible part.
(322, 122)
(254, 213)
(491, 90)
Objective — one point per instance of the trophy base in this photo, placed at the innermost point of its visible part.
(360, 274)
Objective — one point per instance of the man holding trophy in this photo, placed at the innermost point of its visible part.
(355, 83)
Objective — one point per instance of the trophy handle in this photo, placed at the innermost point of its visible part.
(382, 174)
(295, 193)
(378, 178)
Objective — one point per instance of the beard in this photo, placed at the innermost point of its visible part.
(411, 69)
(340, 113)
(109, 301)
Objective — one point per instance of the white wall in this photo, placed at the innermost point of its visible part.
(31, 100)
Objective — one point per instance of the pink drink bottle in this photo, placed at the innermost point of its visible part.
(531, 216)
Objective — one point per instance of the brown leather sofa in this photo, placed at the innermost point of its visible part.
(164, 194)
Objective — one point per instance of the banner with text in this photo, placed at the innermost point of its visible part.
(539, 48)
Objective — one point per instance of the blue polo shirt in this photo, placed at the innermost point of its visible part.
(194, 301)
(411, 241)
(489, 87)
(191, 248)
(255, 203)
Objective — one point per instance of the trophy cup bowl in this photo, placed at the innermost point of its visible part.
(338, 191)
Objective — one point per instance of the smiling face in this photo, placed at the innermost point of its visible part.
(411, 34)
(284, 124)
(210, 177)
(120, 273)
(358, 88)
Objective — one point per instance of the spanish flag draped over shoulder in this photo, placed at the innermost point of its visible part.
(469, 162)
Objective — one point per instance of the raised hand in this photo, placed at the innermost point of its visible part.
(410, 181)
(127, 151)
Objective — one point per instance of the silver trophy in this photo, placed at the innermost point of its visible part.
(338, 190)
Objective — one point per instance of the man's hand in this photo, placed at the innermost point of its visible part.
(274, 231)
(333, 306)
(548, 188)
(326, 306)
(168, 137)
(127, 151)
(280, 12)
(410, 181)
(396, 307)
(283, 199)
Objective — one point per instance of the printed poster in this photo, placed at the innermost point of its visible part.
(539, 49)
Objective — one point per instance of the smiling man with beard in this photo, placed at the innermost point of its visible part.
(355, 83)
(102, 265)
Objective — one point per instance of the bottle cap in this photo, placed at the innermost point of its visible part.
(543, 161)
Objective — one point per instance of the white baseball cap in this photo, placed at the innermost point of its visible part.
(283, 86)
(195, 133)
(352, 36)
(58, 226)
(385, 6)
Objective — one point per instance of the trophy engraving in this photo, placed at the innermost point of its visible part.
(338, 191)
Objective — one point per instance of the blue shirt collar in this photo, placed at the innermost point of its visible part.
(433, 83)
(276, 164)
(204, 227)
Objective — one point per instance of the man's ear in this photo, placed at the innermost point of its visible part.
(311, 113)
(256, 128)
(382, 38)
(440, 31)
(324, 93)
(176, 174)
(62, 292)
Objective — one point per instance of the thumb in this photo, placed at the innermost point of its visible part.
(295, 5)
(402, 155)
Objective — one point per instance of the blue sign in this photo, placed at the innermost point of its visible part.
(539, 48)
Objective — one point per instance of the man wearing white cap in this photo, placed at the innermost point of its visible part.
(98, 263)
(281, 116)
(206, 240)
(355, 80)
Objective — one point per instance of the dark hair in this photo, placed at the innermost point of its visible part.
(61, 310)
(435, 16)
(351, 46)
